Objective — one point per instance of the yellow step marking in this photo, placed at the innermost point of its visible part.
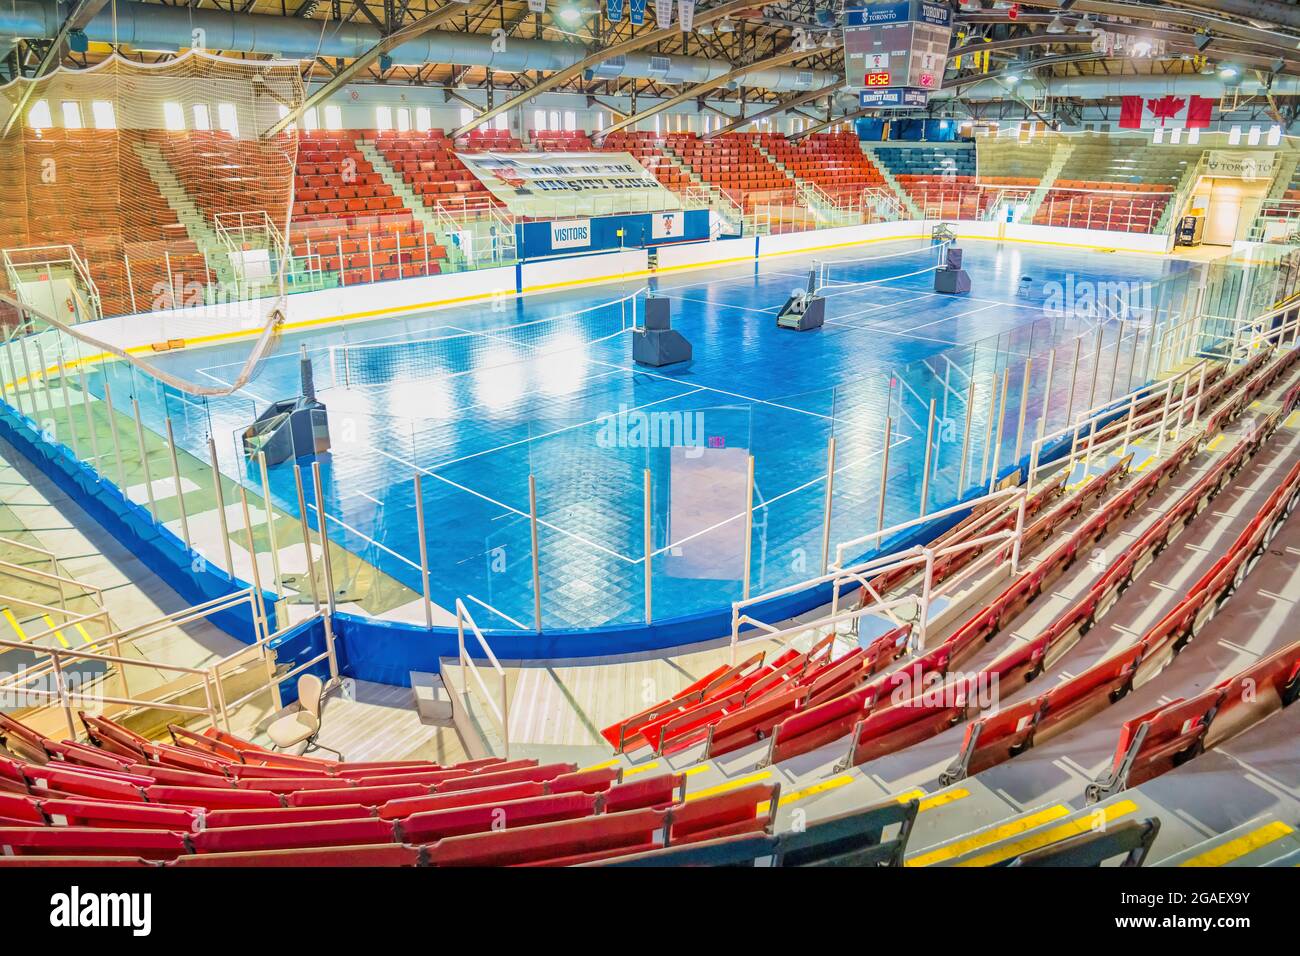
(1215, 442)
(1035, 841)
(595, 766)
(13, 622)
(832, 783)
(1292, 420)
(1225, 853)
(85, 637)
(1146, 463)
(967, 844)
(729, 785)
(57, 633)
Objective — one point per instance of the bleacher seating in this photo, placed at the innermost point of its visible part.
(648, 150)
(428, 164)
(733, 164)
(941, 181)
(557, 140)
(835, 162)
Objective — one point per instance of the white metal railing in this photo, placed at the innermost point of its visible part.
(500, 711)
(1003, 547)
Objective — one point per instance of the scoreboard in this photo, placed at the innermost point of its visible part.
(895, 51)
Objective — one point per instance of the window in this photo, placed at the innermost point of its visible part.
(658, 126)
(71, 115)
(383, 118)
(403, 120)
(422, 122)
(502, 121)
(228, 118)
(311, 120)
(553, 120)
(173, 117)
(38, 117)
(539, 119)
(333, 117)
(570, 120)
(284, 111)
(600, 119)
(466, 115)
(201, 118)
(102, 111)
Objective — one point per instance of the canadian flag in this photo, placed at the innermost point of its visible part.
(1187, 112)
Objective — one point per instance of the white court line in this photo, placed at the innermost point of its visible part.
(489, 607)
(502, 504)
(557, 431)
(884, 331)
(724, 305)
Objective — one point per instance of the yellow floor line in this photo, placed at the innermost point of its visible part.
(1225, 853)
(965, 845)
(824, 786)
(729, 785)
(13, 622)
(86, 641)
(1035, 841)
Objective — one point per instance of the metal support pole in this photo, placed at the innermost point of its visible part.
(324, 535)
(424, 551)
(884, 475)
(1074, 378)
(647, 539)
(749, 522)
(537, 566)
(929, 450)
(270, 525)
(117, 442)
(1200, 392)
(67, 407)
(220, 496)
(923, 609)
(1047, 391)
(965, 438)
(826, 506)
(144, 460)
(1024, 405)
(45, 380)
(306, 536)
(1114, 367)
(1096, 367)
(90, 418)
(259, 596)
(176, 477)
(1002, 418)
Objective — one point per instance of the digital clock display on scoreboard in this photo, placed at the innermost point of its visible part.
(897, 44)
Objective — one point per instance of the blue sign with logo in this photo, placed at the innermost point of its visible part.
(899, 11)
(614, 10)
(897, 97)
(637, 8)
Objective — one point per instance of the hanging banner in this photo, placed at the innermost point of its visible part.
(539, 184)
(1247, 165)
(536, 6)
(686, 14)
(637, 11)
(664, 13)
(614, 10)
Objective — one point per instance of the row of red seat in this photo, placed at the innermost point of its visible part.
(1000, 736)
(1173, 733)
(208, 800)
(931, 711)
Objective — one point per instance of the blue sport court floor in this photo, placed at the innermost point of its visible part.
(476, 399)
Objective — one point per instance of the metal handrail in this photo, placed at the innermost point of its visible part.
(502, 712)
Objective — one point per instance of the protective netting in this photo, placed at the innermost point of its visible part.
(130, 188)
(133, 187)
(458, 352)
(881, 267)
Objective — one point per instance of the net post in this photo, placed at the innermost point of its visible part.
(826, 508)
(176, 478)
(647, 532)
(324, 535)
(884, 476)
(424, 552)
(270, 524)
(533, 540)
(13, 377)
(749, 522)
(306, 536)
(929, 454)
(144, 459)
(220, 496)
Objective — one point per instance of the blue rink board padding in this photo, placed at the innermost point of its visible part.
(482, 423)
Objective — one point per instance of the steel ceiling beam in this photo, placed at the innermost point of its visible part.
(783, 107)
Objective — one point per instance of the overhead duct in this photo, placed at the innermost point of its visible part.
(1109, 87)
(149, 26)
